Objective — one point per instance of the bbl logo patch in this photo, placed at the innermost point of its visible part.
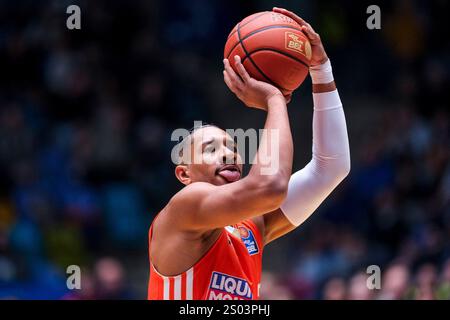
(294, 43)
(249, 240)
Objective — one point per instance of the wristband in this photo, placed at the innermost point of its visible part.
(322, 73)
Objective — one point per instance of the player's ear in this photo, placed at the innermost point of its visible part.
(182, 174)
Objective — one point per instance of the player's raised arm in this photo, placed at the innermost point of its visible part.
(330, 162)
(203, 205)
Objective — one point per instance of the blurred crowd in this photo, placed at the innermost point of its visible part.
(85, 123)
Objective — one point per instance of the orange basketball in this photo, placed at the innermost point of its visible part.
(273, 48)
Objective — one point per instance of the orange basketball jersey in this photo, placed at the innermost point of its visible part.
(230, 270)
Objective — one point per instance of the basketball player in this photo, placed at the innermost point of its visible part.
(207, 242)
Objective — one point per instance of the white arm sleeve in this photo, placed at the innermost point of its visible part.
(330, 162)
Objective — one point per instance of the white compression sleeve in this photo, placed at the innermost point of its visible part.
(330, 162)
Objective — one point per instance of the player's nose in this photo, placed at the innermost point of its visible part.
(229, 156)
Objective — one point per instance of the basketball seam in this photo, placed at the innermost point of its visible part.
(253, 62)
(258, 31)
(277, 51)
(252, 19)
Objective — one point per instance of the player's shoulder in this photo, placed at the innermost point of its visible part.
(191, 192)
(186, 202)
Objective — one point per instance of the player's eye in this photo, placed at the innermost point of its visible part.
(210, 149)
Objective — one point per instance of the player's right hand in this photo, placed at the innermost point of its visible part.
(253, 93)
(319, 55)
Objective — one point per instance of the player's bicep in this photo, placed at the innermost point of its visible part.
(204, 206)
(233, 203)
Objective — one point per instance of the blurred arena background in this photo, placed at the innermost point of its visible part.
(85, 123)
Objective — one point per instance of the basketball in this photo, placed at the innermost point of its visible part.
(273, 48)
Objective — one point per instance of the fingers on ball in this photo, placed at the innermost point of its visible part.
(241, 69)
(233, 77)
(291, 15)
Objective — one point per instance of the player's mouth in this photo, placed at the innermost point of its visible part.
(230, 172)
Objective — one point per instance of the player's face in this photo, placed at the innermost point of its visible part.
(220, 161)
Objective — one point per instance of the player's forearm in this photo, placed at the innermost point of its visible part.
(330, 160)
(273, 161)
(331, 153)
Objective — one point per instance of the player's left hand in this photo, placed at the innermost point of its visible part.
(253, 93)
(319, 55)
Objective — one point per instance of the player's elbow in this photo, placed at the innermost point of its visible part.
(331, 174)
(334, 170)
(343, 169)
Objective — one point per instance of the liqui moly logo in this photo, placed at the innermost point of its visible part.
(226, 287)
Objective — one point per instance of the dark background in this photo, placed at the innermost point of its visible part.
(85, 123)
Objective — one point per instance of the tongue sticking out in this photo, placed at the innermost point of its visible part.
(229, 175)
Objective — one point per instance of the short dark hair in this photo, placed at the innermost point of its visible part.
(183, 140)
